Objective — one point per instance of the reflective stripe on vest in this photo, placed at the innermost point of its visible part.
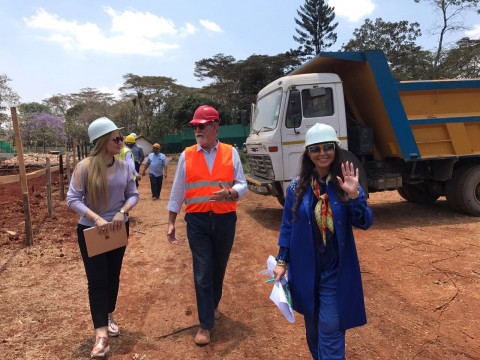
(201, 184)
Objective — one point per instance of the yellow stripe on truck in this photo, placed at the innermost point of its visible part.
(301, 142)
(254, 181)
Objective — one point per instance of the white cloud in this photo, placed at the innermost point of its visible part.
(352, 10)
(131, 32)
(474, 32)
(114, 91)
(210, 25)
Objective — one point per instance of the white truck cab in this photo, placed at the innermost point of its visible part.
(285, 110)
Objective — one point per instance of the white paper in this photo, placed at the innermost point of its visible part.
(280, 294)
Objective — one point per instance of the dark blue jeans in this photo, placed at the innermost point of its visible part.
(103, 275)
(210, 237)
(325, 339)
(156, 185)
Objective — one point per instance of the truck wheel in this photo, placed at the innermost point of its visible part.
(468, 191)
(401, 192)
(452, 188)
(281, 200)
(363, 179)
(417, 194)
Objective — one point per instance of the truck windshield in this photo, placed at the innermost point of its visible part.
(267, 111)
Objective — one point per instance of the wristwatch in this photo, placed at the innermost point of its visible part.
(121, 211)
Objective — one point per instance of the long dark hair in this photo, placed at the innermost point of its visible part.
(307, 170)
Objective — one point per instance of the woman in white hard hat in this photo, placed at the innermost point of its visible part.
(102, 191)
(317, 245)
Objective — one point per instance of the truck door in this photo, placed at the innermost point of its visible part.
(306, 105)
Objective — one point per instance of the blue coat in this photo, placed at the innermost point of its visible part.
(298, 237)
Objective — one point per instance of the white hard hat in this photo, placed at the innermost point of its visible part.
(134, 135)
(320, 133)
(100, 127)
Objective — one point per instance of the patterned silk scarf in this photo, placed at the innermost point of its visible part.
(323, 211)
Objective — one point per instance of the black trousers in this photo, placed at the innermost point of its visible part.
(137, 168)
(210, 237)
(103, 275)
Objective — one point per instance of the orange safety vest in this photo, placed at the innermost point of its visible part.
(201, 184)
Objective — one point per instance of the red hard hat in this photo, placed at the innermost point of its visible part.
(205, 114)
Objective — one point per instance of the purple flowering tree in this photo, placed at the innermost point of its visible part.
(43, 130)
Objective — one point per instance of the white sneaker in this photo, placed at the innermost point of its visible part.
(113, 329)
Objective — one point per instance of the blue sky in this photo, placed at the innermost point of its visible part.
(53, 47)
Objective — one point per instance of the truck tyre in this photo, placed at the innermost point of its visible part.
(452, 188)
(468, 191)
(363, 179)
(417, 194)
(401, 192)
(281, 200)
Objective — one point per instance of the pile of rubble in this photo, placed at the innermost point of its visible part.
(32, 159)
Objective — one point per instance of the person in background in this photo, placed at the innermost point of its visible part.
(137, 151)
(317, 244)
(158, 170)
(235, 147)
(102, 191)
(126, 155)
(210, 179)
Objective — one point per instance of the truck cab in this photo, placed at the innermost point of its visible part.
(284, 111)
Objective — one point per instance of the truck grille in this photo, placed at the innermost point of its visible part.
(261, 165)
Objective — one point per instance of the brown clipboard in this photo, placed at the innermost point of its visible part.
(101, 243)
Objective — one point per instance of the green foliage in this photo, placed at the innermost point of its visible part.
(7, 96)
(462, 61)
(32, 108)
(398, 41)
(315, 27)
(451, 13)
(187, 106)
(235, 84)
(244, 160)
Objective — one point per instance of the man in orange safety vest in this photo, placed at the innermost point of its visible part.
(210, 179)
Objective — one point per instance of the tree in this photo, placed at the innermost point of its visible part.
(41, 129)
(316, 27)
(7, 97)
(235, 84)
(32, 108)
(149, 96)
(450, 11)
(462, 61)
(398, 41)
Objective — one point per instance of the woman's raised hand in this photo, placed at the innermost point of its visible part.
(349, 183)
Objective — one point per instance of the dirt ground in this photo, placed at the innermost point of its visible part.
(420, 266)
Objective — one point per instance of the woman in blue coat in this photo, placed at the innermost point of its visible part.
(317, 245)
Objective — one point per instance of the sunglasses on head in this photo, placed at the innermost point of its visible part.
(327, 148)
(117, 140)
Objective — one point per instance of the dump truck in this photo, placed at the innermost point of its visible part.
(420, 138)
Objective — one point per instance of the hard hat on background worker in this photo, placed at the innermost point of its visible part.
(320, 133)
(134, 135)
(205, 114)
(130, 139)
(100, 127)
(156, 146)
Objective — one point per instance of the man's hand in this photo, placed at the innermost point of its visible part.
(219, 195)
(171, 234)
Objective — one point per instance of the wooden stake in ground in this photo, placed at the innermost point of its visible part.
(23, 177)
(62, 188)
(49, 189)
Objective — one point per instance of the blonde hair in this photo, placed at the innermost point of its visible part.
(97, 183)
